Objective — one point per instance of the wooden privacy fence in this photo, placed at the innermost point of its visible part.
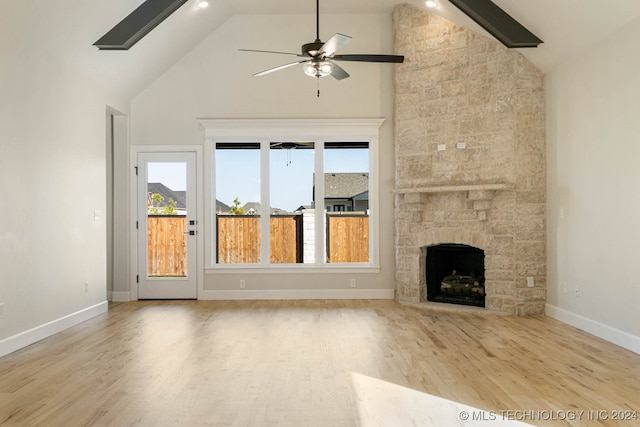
(286, 239)
(239, 239)
(347, 238)
(167, 245)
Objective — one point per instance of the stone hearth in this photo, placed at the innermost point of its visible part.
(470, 159)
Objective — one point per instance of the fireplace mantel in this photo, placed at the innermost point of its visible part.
(453, 188)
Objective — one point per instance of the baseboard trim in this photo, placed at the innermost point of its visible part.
(600, 330)
(26, 338)
(290, 294)
(120, 296)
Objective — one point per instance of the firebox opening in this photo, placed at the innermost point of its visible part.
(455, 274)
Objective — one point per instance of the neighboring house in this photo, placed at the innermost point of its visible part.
(222, 208)
(180, 197)
(346, 192)
(168, 194)
(253, 208)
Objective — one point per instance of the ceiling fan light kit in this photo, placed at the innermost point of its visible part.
(318, 69)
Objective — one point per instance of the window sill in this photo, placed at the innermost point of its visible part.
(291, 269)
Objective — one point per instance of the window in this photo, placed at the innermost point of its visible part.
(265, 188)
(237, 203)
(291, 166)
(346, 186)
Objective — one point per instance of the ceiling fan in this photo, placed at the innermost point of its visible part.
(318, 57)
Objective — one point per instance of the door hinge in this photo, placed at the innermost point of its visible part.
(137, 278)
(136, 225)
(136, 168)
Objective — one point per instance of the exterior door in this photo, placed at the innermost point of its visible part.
(167, 225)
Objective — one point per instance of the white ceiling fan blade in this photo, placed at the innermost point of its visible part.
(338, 72)
(281, 67)
(269, 51)
(334, 44)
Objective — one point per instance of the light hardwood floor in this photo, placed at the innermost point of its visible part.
(314, 363)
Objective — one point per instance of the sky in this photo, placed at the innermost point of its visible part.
(238, 174)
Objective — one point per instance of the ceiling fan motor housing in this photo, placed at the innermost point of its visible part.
(312, 49)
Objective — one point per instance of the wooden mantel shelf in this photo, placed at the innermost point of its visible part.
(453, 188)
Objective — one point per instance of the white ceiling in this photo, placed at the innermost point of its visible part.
(67, 29)
(566, 26)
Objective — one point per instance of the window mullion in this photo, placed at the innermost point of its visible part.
(210, 202)
(265, 204)
(320, 216)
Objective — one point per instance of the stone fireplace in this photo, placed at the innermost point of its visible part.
(470, 160)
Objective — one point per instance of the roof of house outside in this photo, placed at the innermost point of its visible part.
(346, 185)
(222, 207)
(255, 208)
(178, 196)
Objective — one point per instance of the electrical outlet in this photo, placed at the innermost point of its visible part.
(442, 147)
(86, 286)
(461, 145)
(1, 310)
(242, 284)
(577, 292)
(353, 283)
(530, 282)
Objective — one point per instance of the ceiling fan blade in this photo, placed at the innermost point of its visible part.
(269, 51)
(396, 59)
(280, 67)
(335, 43)
(338, 72)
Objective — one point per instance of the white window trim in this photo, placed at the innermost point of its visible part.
(318, 130)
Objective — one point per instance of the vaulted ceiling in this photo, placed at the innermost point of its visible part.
(66, 29)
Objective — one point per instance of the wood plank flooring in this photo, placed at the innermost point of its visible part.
(314, 363)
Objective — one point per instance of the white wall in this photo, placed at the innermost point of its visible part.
(593, 125)
(214, 80)
(52, 180)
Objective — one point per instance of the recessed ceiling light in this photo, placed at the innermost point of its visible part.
(202, 4)
(431, 3)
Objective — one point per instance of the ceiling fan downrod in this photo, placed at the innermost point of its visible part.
(317, 20)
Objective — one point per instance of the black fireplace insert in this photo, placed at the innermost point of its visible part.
(455, 274)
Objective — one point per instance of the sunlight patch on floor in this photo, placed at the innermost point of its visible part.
(381, 403)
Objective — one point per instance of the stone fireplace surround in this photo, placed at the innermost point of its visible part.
(470, 159)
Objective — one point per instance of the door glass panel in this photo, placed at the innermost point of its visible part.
(167, 219)
(291, 166)
(346, 200)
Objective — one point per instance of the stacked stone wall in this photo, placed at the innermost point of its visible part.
(470, 158)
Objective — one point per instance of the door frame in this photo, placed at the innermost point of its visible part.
(133, 215)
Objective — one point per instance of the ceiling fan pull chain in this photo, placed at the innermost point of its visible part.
(318, 78)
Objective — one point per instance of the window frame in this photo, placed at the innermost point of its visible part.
(320, 131)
